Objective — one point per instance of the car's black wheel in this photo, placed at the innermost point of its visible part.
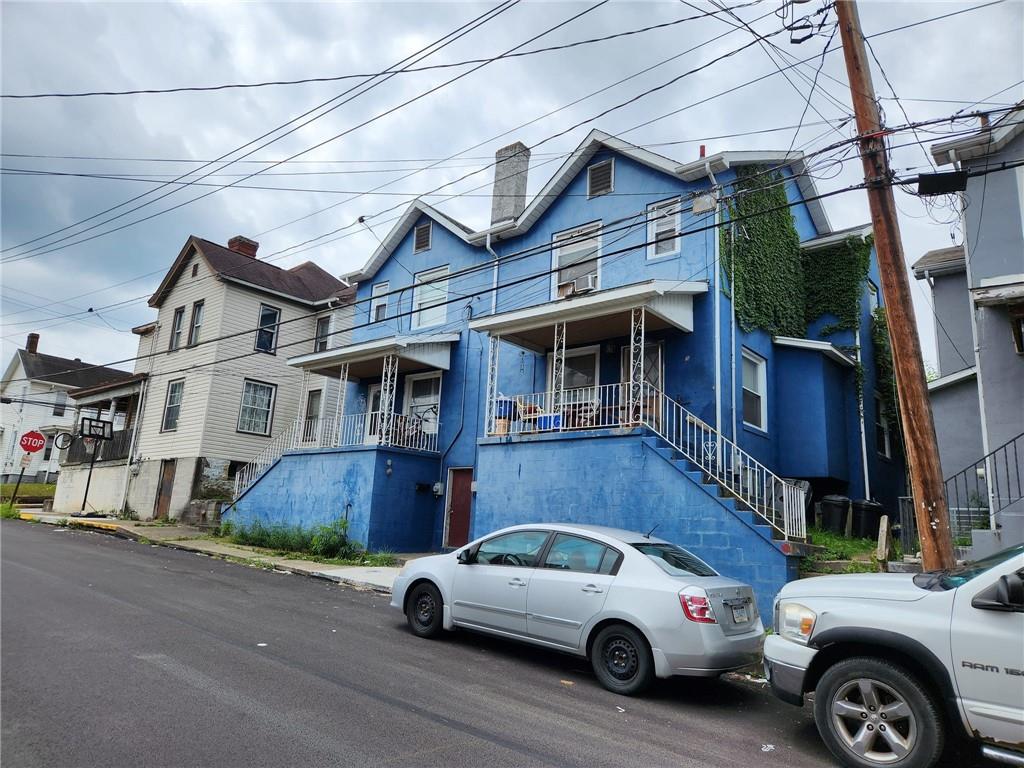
(872, 713)
(425, 610)
(622, 660)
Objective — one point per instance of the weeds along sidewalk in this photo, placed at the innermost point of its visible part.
(365, 576)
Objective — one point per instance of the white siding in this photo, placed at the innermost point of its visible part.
(19, 418)
(186, 440)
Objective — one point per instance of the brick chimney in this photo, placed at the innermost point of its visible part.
(32, 343)
(511, 164)
(243, 245)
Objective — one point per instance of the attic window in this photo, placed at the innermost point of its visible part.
(601, 178)
(421, 239)
(195, 269)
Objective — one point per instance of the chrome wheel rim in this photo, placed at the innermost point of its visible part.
(621, 658)
(424, 609)
(873, 721)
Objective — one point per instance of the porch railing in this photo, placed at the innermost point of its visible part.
(779, 502)
(978, 493)
(108, 450)
(409, 432)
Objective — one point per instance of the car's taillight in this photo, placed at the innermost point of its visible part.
(696, 606)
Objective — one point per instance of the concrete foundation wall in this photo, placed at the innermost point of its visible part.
(619, 481)
(105, 489)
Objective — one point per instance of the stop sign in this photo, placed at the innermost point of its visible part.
(32, 442)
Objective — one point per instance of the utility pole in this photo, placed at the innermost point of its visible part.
(918, 427)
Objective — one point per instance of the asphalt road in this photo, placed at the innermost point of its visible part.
(116, 653)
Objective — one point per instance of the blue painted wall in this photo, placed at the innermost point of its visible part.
(619, 481)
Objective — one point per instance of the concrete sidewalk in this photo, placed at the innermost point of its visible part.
(377, 578)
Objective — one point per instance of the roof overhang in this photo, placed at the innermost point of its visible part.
(111, 390)
(996, 291)
(823, 347)
(835, 238)
(414, 353)
(597, 316)
(952, 379)
(986, 142)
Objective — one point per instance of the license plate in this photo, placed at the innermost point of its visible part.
(740, 614)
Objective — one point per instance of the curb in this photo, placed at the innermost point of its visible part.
(113, 529)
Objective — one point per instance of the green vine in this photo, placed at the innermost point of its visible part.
(885, 375)
(834, 282)
(761, 252)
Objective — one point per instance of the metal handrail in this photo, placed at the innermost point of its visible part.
(989, 485)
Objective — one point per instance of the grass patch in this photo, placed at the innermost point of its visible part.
(8, 510)
(838, 547)
(29, 490)
(322, 543)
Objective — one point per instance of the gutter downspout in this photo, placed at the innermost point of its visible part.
(494, 280)
(718, 306)
(863, 433)
(133, 443)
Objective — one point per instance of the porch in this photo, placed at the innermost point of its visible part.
(117, 402)
(572, 335)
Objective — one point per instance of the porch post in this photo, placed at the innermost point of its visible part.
(339, 406)
(493, 349)
(558, 368)
(637, 324)
(388, 384)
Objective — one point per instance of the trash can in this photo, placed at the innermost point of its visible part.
(833, 513)
(867, 515)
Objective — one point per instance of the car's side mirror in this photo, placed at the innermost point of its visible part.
(466, 556)
(1007, 594)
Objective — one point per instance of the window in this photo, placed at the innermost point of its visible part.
(266, 336)
(755, 386)
(421, 237)
(60, 403)
(883, 437)
(312, 420)
(674, 560)
(572, 553)
(379, 302)
(519, 548)
(872, 297)
(663, 224)
(195, 269)
(172, 405)
(1017, 329)
(601, 178)
(176, 328)
(257, 409)
(323, 333)
(423, 399)
(196, 323)
(48, 448)
(582, 374)
(574, 258)
(429, 297)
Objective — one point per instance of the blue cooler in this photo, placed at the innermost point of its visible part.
(549, 421)
(505, 408)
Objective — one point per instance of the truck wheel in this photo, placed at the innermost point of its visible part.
(873, 713)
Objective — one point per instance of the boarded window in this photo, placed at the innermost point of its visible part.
(601, 178)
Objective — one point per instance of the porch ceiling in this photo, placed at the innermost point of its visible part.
(597, 316)
(366, 360)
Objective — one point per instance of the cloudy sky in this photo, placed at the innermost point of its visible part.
(936, 69)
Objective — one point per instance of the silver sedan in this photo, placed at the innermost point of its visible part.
(638, 606)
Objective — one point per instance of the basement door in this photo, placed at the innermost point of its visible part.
(460, 499)
(163, 494)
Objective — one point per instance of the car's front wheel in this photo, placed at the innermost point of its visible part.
(873, 713)
(622, 660)
(424, 610)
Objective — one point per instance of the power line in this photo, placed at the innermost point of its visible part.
(517, 281)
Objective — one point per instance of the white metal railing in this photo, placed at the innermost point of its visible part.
(780, 503)
(411, 432)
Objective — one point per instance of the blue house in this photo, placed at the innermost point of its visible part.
(647, 344)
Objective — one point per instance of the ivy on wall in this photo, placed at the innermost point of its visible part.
(885, 375)
(761, 253)
(834, 282)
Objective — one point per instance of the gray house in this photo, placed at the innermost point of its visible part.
(978, 296)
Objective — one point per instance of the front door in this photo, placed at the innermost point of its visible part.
(460, 498)
(163, 494)
(490, 593)
(569, 588)
(373, 413)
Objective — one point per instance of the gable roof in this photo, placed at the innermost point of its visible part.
(941, 261)
(68, 373)
(305, 283)
(412, 214)
(987, 141)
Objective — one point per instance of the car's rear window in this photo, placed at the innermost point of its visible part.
(675, 560)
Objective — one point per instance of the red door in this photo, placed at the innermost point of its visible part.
(163, 494)
(460, 498)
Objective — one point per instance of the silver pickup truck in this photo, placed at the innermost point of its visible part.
(899, 663)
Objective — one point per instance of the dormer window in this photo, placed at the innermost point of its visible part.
(601, 178)
(421, 238)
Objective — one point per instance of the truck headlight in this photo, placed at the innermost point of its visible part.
(795, 622)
